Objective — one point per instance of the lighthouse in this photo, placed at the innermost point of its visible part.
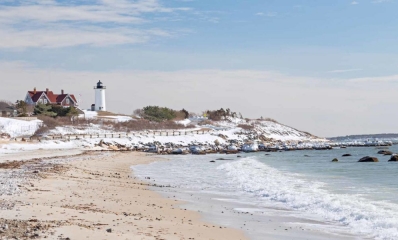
(100, 103)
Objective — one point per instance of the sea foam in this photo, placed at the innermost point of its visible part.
(365, 217)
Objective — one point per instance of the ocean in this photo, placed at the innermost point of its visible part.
(287, 191)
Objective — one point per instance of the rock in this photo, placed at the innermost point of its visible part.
(384, 152)
(109, 230)
(347, 155)
(238, 156)
(335, 160)
(368, 159)
(224, 159)
(306, 156)
(393, 158)
(212, 161)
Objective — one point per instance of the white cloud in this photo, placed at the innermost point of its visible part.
(354, 3)
(51, 23)
(381, 1)
(392, 78)
(345, 70)
(268, 14)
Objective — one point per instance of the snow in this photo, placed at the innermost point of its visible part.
(117, 118)
(94, 115)
(17, 128)
(90, 129)
(184, 122)
(88, 114)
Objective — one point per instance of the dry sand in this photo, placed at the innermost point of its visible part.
(96, 197)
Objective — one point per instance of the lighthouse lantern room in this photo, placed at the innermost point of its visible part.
(100, 103)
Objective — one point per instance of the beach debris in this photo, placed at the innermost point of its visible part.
(335, 160)
(109, 230)
(368, 159)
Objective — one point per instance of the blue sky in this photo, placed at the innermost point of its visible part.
(327, 44)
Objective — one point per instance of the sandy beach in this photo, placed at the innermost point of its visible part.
(95, 196)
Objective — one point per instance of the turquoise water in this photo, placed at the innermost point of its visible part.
(361, 198)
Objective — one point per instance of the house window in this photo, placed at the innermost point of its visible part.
(45, 101)
(67, 101)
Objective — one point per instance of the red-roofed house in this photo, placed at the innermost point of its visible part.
(48, 97)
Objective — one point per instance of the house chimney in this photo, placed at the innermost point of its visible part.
(46, 90)
(34, 91)
(62, 92)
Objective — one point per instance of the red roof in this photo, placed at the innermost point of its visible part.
(54, 98)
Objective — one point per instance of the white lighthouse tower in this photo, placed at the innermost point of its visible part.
(100, 103)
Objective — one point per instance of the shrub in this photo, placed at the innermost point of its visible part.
(158, 114)
(218, 115)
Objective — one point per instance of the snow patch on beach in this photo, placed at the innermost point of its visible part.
(18, 128)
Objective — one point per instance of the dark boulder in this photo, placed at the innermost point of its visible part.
(212, 161)
(335, 160)
(393, 158)
(347, 155)
(368, 159)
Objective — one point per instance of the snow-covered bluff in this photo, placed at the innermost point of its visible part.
(236, 129)
(239, 130)
(264, 130)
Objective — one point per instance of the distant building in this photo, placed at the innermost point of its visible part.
(100, 101)
(48, 97)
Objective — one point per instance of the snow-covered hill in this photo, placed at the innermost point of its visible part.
(239, 130)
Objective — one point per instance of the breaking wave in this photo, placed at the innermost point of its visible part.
(366, 217)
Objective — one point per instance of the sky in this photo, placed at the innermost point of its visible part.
(326, 67)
